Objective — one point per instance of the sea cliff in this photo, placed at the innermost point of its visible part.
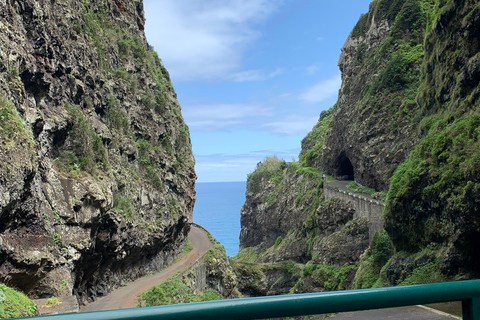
(96, 167)
(406, 126)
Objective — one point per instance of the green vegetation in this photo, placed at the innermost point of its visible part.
(371, 271)
(123, 206)
(246, 255)
(56, 237)
(146, 159)
(278, 241)
(174, 291)
(355, 187)
(216, 253)
(332, 278)
(270, 199)
(436, 185)
(14, 304)
(12, 127)
(269, 169)
(85, 150)
(381, 248)
(380, 9)
(428, 273)
(115, 116)
(312, 144)
(52, 301)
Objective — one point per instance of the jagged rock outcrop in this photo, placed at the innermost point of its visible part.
(96, 168)
(219, 273)
(264, 215)
(286, 218)
(372, 132)
(212, 271)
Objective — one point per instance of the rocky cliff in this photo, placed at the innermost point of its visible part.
(96, 168)
(406, 121)
(292, 240)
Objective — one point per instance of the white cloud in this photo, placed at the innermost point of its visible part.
(292, 124)
(256, 75)
(220, 167)
(213, 117)
(312, 69)
(322, 90)
(249, 75)
(200, 40)
(276, 72)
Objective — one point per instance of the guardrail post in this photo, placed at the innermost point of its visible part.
(471, 309)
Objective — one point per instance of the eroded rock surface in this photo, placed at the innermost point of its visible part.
(96, 168)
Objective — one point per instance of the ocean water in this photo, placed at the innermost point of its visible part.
(218, 209)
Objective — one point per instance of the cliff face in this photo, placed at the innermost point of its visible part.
(96, 168)
(433, 198)
(406, 121)
(373, 130)
(292, 240)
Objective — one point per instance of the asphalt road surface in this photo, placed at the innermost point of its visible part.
(127, 297)
(402, 313)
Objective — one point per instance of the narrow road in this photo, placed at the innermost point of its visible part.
(342, 186)
(401, 313)
(127, 297)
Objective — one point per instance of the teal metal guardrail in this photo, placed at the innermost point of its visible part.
(301, 304)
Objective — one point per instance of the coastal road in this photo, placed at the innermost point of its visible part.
(342, 186)
(127, 297)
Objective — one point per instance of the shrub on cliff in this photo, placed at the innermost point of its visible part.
(174, 291)
(269, 169)
(12, 128)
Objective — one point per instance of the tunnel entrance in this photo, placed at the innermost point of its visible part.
(345, 168)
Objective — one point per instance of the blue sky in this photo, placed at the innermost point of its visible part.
(252, 76)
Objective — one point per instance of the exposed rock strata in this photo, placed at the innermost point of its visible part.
(97, 185)
(370, 134)
(290, 220)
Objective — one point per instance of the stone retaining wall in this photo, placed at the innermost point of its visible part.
(370, 209)
(196, 274)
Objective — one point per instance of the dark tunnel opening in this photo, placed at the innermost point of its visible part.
(345, 168)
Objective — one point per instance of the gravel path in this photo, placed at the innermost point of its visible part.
(127, 297)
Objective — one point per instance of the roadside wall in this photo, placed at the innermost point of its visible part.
(195, 275)
(370, 209)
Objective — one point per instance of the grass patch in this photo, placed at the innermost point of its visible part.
(14, 304)
(428, 273)
(355, 187)
(174, 291)
(123, 206)
(52, 301)
(246, 255)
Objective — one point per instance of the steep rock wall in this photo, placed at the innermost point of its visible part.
(286, 217)
(372, 130)
(96, 168)
(406, 121)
